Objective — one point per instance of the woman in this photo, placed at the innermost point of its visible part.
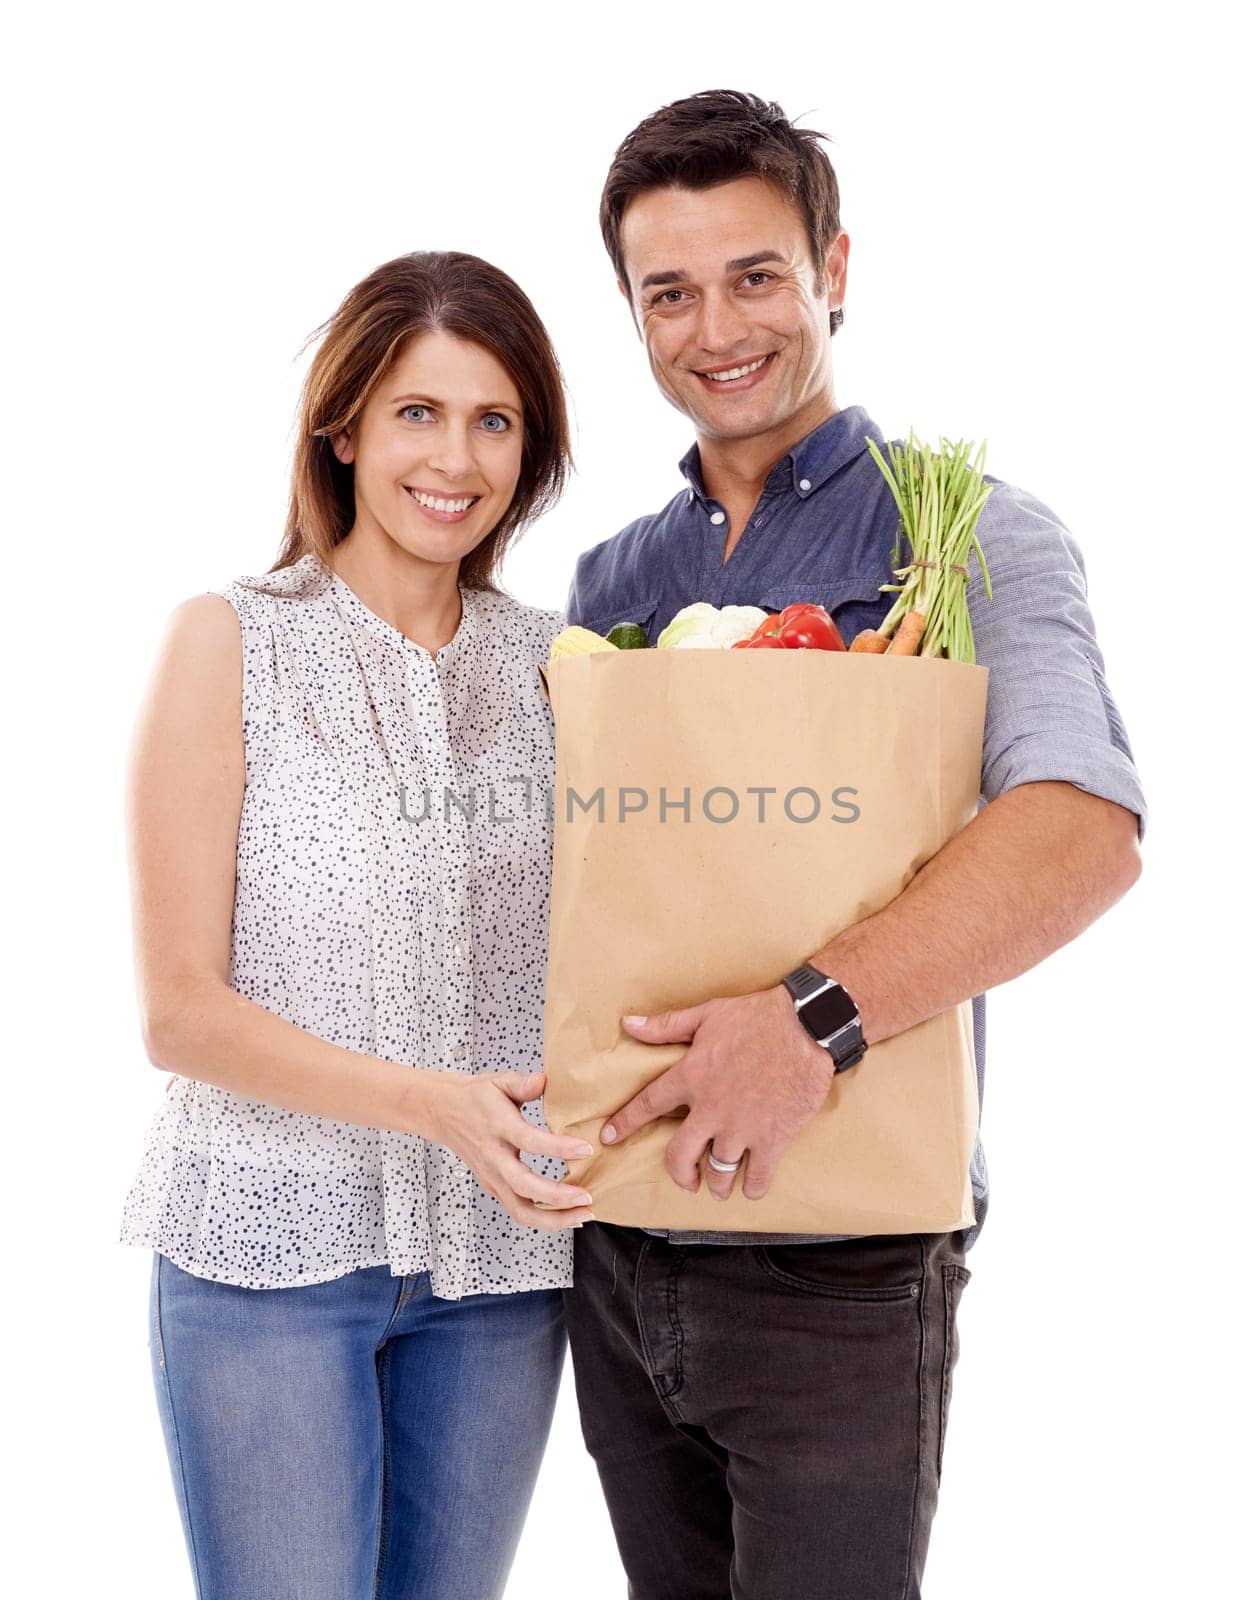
(340, 858)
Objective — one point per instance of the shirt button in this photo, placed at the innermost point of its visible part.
(805, 485)
(459, 1052)
(717, 518)
(460, 950)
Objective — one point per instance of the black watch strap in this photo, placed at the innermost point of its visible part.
(833, 1020)
(804, 982)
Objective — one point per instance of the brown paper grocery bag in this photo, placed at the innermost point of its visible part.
(720, 815)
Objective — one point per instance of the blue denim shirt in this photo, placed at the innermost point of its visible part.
(823, 530)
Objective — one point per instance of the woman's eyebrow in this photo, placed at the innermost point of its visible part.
(429, 400)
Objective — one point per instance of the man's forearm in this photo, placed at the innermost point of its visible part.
(1030, 872)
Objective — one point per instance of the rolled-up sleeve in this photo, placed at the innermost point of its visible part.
(1049, 712)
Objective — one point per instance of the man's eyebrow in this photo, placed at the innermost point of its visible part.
(745, 263)
(739, 264)
(428, 400)
(663, 277)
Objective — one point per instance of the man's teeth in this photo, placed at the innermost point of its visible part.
(442, 505)
(736, 372)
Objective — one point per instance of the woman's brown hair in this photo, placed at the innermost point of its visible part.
(429, 291)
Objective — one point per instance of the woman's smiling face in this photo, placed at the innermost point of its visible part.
(436, 452)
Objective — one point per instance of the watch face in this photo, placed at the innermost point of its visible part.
(829, 1012)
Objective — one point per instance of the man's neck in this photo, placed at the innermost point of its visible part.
(734, 470)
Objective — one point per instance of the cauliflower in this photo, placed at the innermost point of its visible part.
(703, 627)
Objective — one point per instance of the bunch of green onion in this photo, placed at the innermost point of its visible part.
(940, 495)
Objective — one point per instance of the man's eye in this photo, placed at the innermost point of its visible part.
(668, 297)
(409, 410)
(755, 278)
(493, 422)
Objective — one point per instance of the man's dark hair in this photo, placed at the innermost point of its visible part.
(715, 137)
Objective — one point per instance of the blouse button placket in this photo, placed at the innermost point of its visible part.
(456, 864)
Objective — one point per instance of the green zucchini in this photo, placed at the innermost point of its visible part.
(628, 636)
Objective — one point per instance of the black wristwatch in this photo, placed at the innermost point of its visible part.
(829, 1014)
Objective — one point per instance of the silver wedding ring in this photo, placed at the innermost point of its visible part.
(723, 1166)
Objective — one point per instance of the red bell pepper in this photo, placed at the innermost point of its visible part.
(805, 627)
(765, 641)
(802, 626)
(769, 626)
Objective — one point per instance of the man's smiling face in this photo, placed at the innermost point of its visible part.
(731, 308)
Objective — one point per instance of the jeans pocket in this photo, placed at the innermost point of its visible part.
(876, 1269)
(954, 1279)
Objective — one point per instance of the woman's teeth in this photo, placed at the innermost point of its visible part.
(735, 372)
(447, 506)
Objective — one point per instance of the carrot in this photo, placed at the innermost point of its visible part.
(907, 638)
(870, 642)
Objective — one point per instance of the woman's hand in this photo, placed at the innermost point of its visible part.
(478, 1119)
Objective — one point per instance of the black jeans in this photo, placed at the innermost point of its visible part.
(767, 1420)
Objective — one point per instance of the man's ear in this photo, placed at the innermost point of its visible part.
(629, 300)
(836, 270)
(343, 447)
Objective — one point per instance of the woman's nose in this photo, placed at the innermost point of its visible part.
(452, 454)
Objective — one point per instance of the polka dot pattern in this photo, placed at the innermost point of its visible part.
(392, 896)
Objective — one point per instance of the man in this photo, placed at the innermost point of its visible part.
(767, 1413)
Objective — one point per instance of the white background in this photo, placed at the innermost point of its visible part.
(1044, 207)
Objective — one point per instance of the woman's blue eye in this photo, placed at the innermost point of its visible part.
(494, 423)
(407, 411)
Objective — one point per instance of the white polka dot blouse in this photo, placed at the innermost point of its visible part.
(392, 893)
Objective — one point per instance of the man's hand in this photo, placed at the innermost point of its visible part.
(751, 1078)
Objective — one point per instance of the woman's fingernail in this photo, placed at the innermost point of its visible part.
(608, 1133)
(635, 1022)
(584, 1150)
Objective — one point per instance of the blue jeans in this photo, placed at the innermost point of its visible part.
(352, 1440)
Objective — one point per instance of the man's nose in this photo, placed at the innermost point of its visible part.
(722, 324)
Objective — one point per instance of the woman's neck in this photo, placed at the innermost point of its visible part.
(419, 598)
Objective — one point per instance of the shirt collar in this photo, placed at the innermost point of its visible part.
(810, 463)
(690, 469)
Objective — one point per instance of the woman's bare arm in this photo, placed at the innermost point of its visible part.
(184, 795)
